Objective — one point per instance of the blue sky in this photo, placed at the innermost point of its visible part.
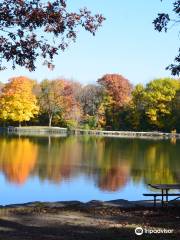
(126, 44)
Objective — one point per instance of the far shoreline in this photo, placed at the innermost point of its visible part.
(41, 130)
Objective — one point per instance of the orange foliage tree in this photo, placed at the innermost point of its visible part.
(72, 113)
(117, 93)
(118, 87)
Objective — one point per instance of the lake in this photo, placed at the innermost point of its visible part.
(84, 167)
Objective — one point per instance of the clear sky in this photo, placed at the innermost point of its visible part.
(126, 44)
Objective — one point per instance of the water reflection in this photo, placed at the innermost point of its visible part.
(109, 162)
(17, 158)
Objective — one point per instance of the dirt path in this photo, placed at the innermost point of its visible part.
(79, 221)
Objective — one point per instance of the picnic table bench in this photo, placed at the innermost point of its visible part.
(165, 188)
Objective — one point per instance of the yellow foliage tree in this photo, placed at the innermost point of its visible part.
(17, 101)
(159, 97)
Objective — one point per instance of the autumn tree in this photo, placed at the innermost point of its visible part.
(162, 23)
(159, 96)
(56, 99)
(118, 87)
(154, 106)
(1, 86)
(117, 93)
(176, 110)
(90, 97)
(72, 108)
(32, 29)
(17, 102)
(134, 113)
(50, 99)
(76, 88)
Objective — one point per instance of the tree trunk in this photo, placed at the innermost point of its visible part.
(50, 120)
(19, 124)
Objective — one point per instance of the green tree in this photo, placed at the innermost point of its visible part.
(154, 107)
(176, 111)
(135, 111)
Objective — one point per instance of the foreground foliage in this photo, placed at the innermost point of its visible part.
(166, 21)
(33, 29)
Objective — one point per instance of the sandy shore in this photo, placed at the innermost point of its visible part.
(97, 220)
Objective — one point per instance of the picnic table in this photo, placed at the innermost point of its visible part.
(164, 188)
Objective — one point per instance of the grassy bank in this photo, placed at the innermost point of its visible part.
(37, 129)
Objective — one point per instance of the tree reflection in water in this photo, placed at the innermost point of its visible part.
(110, 162)
(17, 158)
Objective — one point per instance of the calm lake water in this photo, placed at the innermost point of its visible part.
(84, 168)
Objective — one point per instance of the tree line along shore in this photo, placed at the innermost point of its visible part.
(111, 104)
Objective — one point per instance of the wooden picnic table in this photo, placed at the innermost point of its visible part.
(165, 188)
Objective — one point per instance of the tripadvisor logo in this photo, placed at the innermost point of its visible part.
(139, 231)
